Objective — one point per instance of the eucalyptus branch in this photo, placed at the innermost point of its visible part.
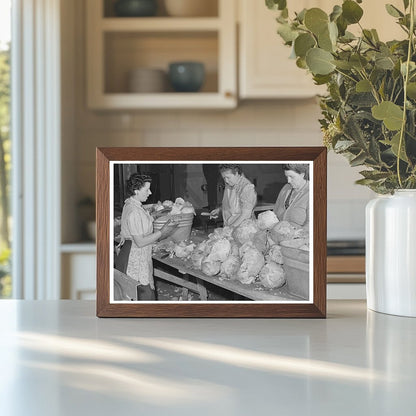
(373, 88)
(345, 75)
(397, 95)
(392, 91)
(406, 79)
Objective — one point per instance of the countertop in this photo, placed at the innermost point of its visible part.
(57, 358)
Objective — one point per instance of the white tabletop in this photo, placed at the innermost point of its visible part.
(57, 358)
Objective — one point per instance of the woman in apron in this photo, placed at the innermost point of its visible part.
(137, 237)
(239, 198)
(292, 204)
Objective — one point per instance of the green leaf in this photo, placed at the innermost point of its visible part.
(359, 160)
(358, 61)
(394, 143)
(319, 61)
(365, 182)
(411, 90)
(393, 11)
(396, 70)
(374, 174)
(374, 150)
(336, 12)
(276, 4)
(321, 79)
(333, 32)
(343, 145)
(354, 132)
(362, 99)
(342, 25)
(384, 62)
(391, 114)
(412, 67)
(406, 4)
(301, 63)
(347, 37)
(375, 35)
(301, 15)
(351, 11)
(303, 43)
(316, 20)
(381, 89)
(287, 33)
(344, 65)
(368, 36)
(325, 42)
(363, 86)
(281, 19)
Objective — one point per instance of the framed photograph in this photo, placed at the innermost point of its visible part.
(211, 232)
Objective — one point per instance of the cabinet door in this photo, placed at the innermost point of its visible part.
(266, 71)
(78, 276)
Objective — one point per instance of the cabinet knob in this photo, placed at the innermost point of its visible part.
(229, 94)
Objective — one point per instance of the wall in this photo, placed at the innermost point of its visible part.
(253, 123)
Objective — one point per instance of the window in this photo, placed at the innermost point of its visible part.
(5, 159)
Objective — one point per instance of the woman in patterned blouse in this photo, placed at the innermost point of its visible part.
(239, 198)
(138, 236)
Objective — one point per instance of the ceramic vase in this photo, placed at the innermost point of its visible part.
(391, 253)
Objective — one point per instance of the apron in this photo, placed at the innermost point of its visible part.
(135, 261)
(231, 204)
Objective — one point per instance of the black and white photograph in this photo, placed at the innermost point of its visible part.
(218, 231)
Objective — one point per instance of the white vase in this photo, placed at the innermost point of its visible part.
(391, 253)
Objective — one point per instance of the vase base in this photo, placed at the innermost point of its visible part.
(393, 313)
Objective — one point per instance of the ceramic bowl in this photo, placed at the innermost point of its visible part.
(186, 76)
(135, 8)
(147, 80)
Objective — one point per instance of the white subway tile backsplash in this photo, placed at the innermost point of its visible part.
(230, 138)
(346, 219)
(160, 119)
(175, 138)
(206, 119)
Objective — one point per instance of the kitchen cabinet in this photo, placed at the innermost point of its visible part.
(265, 70)
(346, 277)
(78, 264)
(118, 45)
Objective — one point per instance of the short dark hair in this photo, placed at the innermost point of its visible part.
(298, 168)
(233, 168)
(136, 181)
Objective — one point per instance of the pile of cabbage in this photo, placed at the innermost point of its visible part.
(180, 206)
(249, 253)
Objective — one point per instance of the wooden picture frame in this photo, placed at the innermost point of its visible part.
(112, 303)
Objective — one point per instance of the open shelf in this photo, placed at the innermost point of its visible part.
(127, 51)
(116, 46)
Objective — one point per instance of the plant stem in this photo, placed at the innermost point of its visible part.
(373, 88)
(406, 79)
(346, 75)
